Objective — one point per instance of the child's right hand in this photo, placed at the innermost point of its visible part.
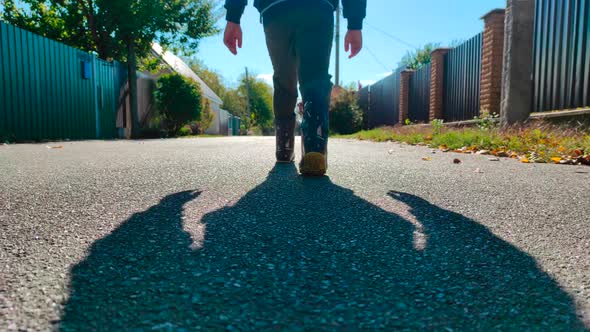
(233, 37)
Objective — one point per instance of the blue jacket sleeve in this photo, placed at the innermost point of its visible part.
(354, 11)
(235, 9)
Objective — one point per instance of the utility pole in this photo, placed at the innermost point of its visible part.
(337, 39)
(248, 94)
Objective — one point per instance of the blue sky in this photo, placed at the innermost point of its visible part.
(416, 22)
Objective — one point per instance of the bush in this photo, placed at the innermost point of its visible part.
(179, 101)
(346, 117)
(185, 131)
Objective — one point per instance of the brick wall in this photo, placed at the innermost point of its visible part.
(404, 95)
(437, 80)
(492, 61)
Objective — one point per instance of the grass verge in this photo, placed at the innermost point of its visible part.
(536, 142)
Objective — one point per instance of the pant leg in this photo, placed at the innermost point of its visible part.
(313, 46)
(280, 41)
(314, 37)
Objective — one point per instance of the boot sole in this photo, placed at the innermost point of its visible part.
(313, 164)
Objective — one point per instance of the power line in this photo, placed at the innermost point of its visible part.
(399, 40)
(376, 58)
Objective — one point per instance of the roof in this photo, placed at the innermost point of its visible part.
(178, 65)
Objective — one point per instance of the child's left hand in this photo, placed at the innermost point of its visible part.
(353, 42)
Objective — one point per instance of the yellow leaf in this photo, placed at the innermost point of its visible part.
(525, 160)
(427, 159)
(556, 160)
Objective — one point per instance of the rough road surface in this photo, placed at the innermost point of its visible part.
(208, 234)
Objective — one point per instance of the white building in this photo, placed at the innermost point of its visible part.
(223, 123)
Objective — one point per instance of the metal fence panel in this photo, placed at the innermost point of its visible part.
(462, 80)
(419, 95)
(46, 91)
(384, 101)
(363, 102)
(561, 75)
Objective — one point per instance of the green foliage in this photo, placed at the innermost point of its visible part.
(108, 27)
(437, 125)
(260, 96)
(487, 121)
(207, 118)
(418, 58)
(178, 100)
(408, 122)
(212, 78)
(185, 131)
(346, 117)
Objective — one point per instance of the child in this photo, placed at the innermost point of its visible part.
(299, 35)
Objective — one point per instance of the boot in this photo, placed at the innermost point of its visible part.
(315, 128)
(285, 133)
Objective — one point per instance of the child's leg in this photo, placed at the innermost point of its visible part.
(279, 40)
(314, 39)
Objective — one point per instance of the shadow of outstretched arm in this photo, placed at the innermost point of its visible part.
(486, 276)
(126, 277)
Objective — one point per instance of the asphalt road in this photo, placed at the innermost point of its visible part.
(208, 234)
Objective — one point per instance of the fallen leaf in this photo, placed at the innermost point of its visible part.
(427, 159)
(457, 161)
(578, 152)
(494, 159)
(502, 154)
(525, 160)
(556, 160)
(483, 152)
(55, 147)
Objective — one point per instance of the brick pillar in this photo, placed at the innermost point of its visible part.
(437, 81)
(404, 95)
(492, 61)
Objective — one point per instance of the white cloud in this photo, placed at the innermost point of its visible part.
(265, 77)
(367, 82)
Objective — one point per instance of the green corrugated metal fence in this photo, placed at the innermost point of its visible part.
(562, 54)
(462, 80)
(419, 95)
(50, 91)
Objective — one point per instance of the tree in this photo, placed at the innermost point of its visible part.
(207, 117)
(212, 78)
(179, 101)
(418, 58)
(260, 107)
(117, 29)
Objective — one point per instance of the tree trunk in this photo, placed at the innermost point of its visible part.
(132, 75)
